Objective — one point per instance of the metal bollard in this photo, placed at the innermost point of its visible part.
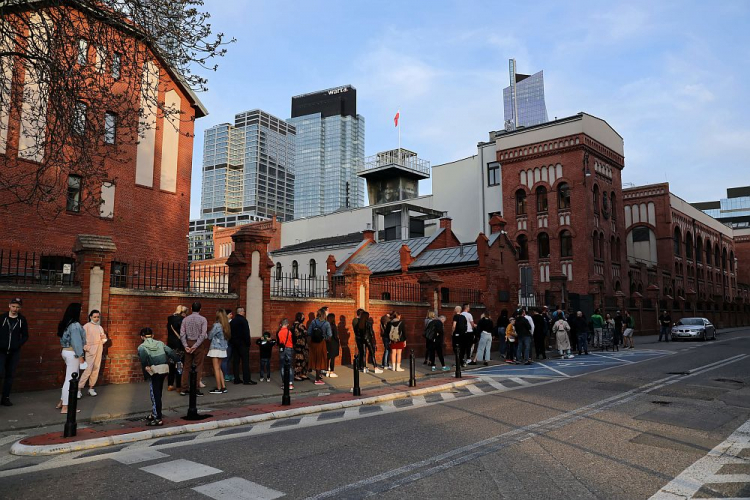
(192, 413)
(412, 370)
(286, 399)
(70, 422)
(356, 391)
(458, 362)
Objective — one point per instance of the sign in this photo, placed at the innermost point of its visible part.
(67, 268)
(338, 90)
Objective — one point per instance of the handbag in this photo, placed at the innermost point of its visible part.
(83, 365)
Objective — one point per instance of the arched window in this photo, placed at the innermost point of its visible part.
(521, 202)
(523, 247)
(313, 268)
(601, 245)
(566, 244)
(717, 255)
(731, 261)
(618, 250)
(543, 245)
(541, 199)
(596, 199)
(563, 196)
(708, 252)
(612, 205)
(595, 245)
(278, 271)
(677, 241)
(724, 259)
(612, 253)
(688, 245)
(295, 269)
(699, 249)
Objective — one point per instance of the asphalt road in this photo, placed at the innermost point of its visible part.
(618, 426)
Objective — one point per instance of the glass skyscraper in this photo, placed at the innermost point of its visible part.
(733, 211)
(523, 100)
(330, 138)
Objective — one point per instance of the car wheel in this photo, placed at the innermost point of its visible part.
(705, 337)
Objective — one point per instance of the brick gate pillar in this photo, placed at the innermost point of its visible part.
(358, 284)
(94, 260)
(431, 283)
(250, 273)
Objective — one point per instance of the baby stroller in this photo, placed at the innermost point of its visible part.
(608, 338)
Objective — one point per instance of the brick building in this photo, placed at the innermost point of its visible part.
(562, 197)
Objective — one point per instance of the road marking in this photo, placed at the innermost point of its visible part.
(236, 488)
(618, 358)
(180, 470)
(475, 390)
(704, 471)
(11, 438)
(552, 369)
(497, 385)
(520, 381)
(130, 457)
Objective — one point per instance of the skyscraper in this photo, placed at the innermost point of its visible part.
(330, 151)
(523, 100)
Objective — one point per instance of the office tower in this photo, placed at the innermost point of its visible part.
(732, 211)
(248, 168)
(330, 151)
(523, 100)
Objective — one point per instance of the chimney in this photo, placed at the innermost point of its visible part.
(445, 223)
(497, 224)
(405, 258)
(368, 234)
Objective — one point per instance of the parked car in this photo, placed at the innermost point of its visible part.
(693, 328)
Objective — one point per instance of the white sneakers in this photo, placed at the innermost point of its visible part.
(332, 375)
(92, 392)
(80, 395)
(378, 370)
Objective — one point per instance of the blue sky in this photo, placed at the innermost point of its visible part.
(670, 77)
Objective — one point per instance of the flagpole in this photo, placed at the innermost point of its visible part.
(399, 130)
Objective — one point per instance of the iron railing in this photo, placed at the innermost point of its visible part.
(31, 268)
(460, 296)
(302, 286)
(169, 276)
(396, 291)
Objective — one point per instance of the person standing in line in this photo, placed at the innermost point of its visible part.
(525, 335)
(370, 342)
(609, 331)
(510, 341)
(540, 334)
(598, 323)
(265, 347)
(285, 339)
(629, 324)
(485, 329)
(154, 357)
(386, 361)
(547, 317)
(174, 324)
(468, 341)
(502, 327)
(665, 324)
(560, 330)
(219, 337)
(193, 333)
(95, 340)
(319, 331)
(457, 334)
(240, 343)
(430, 317)
(226, 363)
(618, 329)
(435, 335)
(72, 340)
(301, 349)
(397, 334)
(14, 332)
(333, 345)
(581, 327)
(359, 337)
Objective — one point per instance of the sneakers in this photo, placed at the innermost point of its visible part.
(570, 356)
(224, 390)
(319, 382)
(202, 385)
(6, 402)
(199, 393)
(92, 392)
(80, 395)
(333, 375)
(433, 369)
(216, 391)
(378, 370)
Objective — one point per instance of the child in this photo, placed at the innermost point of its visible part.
(510, 339)
(266, 347)
(153, 355)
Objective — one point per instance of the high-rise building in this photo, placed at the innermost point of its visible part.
(330, 151)
(733, 211)
(523, 100)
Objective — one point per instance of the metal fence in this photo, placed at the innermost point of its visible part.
(460, 296)
(31, 268)
(169, 276)
(395, 291)
(302, 286)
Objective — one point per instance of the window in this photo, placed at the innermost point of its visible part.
(612, 206)
(698, 249)
(107, 207)
(677, 246)
(57, 269)
(689, 245)
(543, 245)
(110, 127)
(520, 202)
(313, 268)
(641, 233)
(493, 174)
(523, 247)
(595, 246)
(79, 118)
(116, 63)
(596, 199)
(101, 59)
(83, 52)
(541, 199)
(278, 271)
(566, 244)
(708, 252)
(563, 196)
(118, 275)
(445, 295)
(73, 203)
(295, 270)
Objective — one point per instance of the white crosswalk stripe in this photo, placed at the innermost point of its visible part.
(180, 470)
(236, 488)
(129, 457)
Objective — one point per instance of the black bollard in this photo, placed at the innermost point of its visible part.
(412, 370)
(458, 362)
(286, 399)
(70, 422)
(356, 391)
(192, 413)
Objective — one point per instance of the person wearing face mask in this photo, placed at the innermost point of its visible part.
(95, 340)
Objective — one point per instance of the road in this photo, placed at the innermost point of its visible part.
(635, 424)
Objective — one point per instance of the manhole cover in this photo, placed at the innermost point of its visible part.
(663, 403)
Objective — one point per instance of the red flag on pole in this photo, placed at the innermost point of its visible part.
(395, 118)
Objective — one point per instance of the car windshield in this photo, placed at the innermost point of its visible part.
(691, 321)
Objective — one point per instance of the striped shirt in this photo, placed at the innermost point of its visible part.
(194, 327)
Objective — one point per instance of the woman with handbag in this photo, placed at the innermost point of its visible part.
(72, 340)
(397, 335)
(174, 323)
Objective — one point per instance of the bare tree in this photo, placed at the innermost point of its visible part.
(76, 88)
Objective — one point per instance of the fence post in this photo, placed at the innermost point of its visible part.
(412, 370)
(70, 422)
(458, 361)
(356, 391)
(286, 399)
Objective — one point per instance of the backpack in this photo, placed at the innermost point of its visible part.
(429, 331)
(317, 332)
(394, 335)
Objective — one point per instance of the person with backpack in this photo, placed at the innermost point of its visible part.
(434, 333)
(458, 334)
(560, 330)
(301, 348)
(397, 335)
(14, 332)
(384, 322)
(154, 356)
(485, 329)
(285, 340)
(319, 331)
(72, 340)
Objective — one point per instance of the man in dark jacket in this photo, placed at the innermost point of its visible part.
(618, 329)
(540, 334)
(665, 323)
(524, 339)
(14, 332)
(582, 332)
(240, 341)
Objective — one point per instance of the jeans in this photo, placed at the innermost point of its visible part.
(510, 350)
(265, 367)
(284, 357)
(524, 349)
(665, 331)
(155, 389)
(597, 337)
(386, 351)
(583, 342)
(225, 363)
(485, 344)
(72, 365)
(8, 363)
(241, 352)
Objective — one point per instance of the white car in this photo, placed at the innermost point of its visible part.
(693, 328)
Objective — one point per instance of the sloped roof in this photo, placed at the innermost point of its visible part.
(350, 239)
(447, 256)
(384, 257)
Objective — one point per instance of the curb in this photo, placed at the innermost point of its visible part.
(90, 444)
